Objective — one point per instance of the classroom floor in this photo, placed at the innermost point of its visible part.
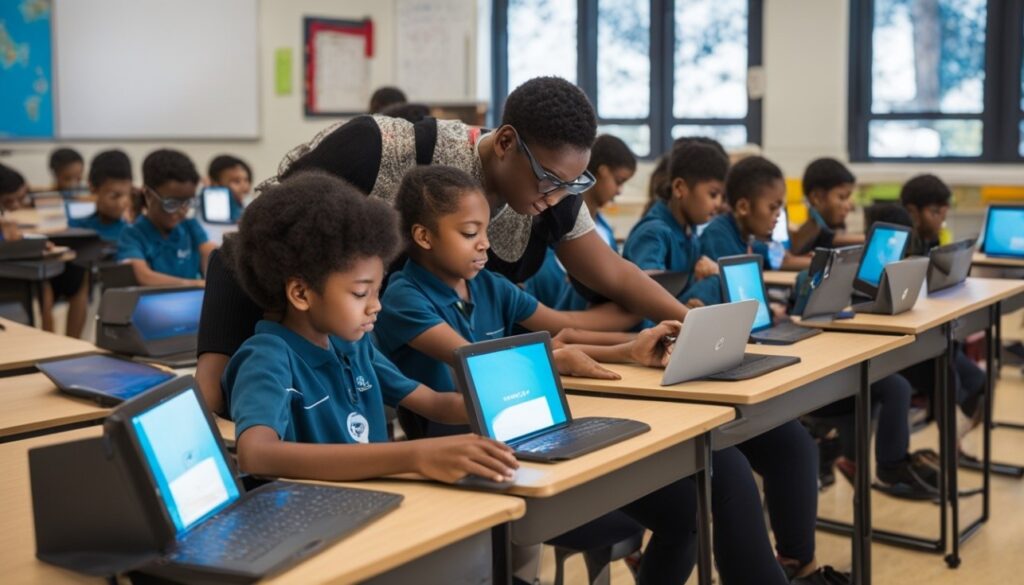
(991, 556)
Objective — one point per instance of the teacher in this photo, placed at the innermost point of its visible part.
(532, 167)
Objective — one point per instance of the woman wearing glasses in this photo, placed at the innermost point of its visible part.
(163, 246)
(532, 167)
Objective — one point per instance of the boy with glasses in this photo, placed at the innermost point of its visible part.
(164, 246)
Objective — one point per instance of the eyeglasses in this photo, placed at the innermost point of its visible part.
(548, 182)
(172, 204)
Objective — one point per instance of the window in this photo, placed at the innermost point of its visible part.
(928, 78)
(651, 79)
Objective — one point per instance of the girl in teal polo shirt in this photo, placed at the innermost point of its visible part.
(307, 391)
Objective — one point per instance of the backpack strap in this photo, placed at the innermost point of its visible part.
(426, 138)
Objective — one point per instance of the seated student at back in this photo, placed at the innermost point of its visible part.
(612, 163)
(231, 172)
(443, 298)
(110, 181)
(307, 391)
(164, 246)
(665, 239)
(828, 188)
(67, 167)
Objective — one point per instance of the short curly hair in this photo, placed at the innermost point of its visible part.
(10, 180)
(223, 162)
(695, 162)
(109, 165)
(924, 190)
(611, 152)
(308, 226)
(551, 112)
(429, 192)
(165, 165)
(63, 157)
(826, 174)
(384, 97)
(748, 177)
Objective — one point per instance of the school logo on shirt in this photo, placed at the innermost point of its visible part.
(362, 384)
(358, 427)
(184, 254)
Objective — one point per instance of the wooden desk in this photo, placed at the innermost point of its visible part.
(780, 278)
(21, 346)
(996, 262)
(31, 405)
(435, 528)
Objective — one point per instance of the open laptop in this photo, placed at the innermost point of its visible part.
(216, 205)
(742, 280)
(214, 529)
(1003, 235)
(514, 395)
(900, 286)
(106, 379)
(886, 242)
(949, 265)
(711, 345)
(780, 233)
(831, 282)
(154, 324)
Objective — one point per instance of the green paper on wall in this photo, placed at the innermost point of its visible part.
(283, 71)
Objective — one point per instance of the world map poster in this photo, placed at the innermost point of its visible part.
(26, 72)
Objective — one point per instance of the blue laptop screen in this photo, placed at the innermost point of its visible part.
(116, 377)
(743, 281)
(886, 246)
(1004, 231)
(517, 391)
(193, 479)
(168, 314)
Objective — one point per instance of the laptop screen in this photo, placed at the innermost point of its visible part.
(516, 390)
(886, 246)
(781, 232)
(168, 314)
(185, 460)
(116, 377)
(217, 204)
(1003, 232)
(743, 282)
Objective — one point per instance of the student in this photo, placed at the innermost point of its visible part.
(756, 191)
(444, 298)
(13, 189)
(67, 167)
(110, 181)
(232, 172)
(163, 246)
(665, 239)
(658, 187)
(307, 391)
(612, 163)
(927, 199)
(828, 191)
(385, 97)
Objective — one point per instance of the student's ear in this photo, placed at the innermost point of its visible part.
(421, 237)
(297, 293)
(742, 207)
(679, 188)
(504, 141)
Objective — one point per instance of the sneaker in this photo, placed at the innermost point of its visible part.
(912, 479)
(825, 575)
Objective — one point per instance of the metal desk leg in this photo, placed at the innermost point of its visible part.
(501, 554)
(704, 544)
(949, 452)
(862, 491)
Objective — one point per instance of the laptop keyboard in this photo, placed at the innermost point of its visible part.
(755, 365)
(276, 512)
(787, 332)
(569, 437)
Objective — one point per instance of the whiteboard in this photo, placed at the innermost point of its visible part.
(435, 49)
(156, 69)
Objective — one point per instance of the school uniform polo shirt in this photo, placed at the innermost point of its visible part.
(109, 231)
(416, 300)
(309, 394)
(722, 238)
(235, 208)
(177, 254)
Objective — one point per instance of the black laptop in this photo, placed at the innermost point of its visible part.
(106, 379)
(514, 394)
(949, 265)
(213, 528)
(742, 279)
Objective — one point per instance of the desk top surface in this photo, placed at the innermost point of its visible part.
(22, 346)
(997, 262)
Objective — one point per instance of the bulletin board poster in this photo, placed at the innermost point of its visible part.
(338, 56)
(26, 72)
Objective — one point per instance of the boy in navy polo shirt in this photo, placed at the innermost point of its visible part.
(828, 191)
(311, 250)
(666, 239)
(232, 172)
(164, 246)
(110, 180)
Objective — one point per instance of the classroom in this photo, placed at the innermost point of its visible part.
(512, 292)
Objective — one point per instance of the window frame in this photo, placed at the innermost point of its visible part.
(1004, 28)
(660, 118)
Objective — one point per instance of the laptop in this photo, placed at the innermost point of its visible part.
(711, 345)
(886, 242)
(831, 282)
(216, 205)
(1003, 235)
(949, 265)
(780, 233)
(105, 379)
(901, 284)
(214, 529)
(154, 324)
(742, 280)
(23, 249)
(514, 395)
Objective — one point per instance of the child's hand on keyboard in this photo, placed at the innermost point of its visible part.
(653, 346)
(449, 459)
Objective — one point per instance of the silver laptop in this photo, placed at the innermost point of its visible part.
(899, 288)
(831, 281)
(712, 343)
